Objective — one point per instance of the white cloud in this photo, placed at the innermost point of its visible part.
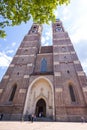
(75, 18)
(79, 29)
(5, 39)
(56, 13)
(66, 13)
(78, 36)
(4, 60)
(42, 40)
(49, 33)
(9, 51)
(84, 64)
(46, 35)
(46, 44)
(13, 44)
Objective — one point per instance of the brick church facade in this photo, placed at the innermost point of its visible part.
(44, 79)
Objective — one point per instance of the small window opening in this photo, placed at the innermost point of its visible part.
(13, 93)
(72, 95)
(34, 31)
(25, 50)
(58, 25)
(34, 27)
(17, 73)
(68, 71)
(65, 57)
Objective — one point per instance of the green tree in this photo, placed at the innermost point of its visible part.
(14, 12)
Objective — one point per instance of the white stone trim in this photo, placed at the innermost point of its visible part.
(25, 40)
(28, 65)
(23, 55)
(22, 91)
(31, 55)
(56, 63)
(76, 62)
(84, 89)
(16, 55)
(73, 52)
(26, 76)
(34, 47)
(1, 90)
(81, 73)
(6, 77)
(70, 44)
(56, 53)
(45, 54)
(57, 74)
(65, 45)
(63, 53)
(58, 90)
(61, 38)
(11, 65)
(24, 48)
(55, 45)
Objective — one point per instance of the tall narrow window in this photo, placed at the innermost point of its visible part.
(43, 65)
(72, 94)
(13, 93)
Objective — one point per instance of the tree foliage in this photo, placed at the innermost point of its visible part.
(14, 12)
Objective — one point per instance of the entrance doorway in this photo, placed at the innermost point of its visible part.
(41, 108)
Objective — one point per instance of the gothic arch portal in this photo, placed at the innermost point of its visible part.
(40, 110)
(40, 88)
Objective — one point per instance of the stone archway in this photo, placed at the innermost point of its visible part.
(40, 88)
(40, 110)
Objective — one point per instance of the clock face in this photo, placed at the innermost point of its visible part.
(58, 29)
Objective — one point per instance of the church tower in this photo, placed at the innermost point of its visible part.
(47, 81)
(69, 78)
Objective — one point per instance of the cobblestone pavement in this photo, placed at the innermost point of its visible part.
(42, 126)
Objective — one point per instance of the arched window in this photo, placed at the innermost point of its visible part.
(34, 29)
(58, 28)
(43, 65)
(13, 92)
(72, 94)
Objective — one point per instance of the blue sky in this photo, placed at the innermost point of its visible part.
(74, 18)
